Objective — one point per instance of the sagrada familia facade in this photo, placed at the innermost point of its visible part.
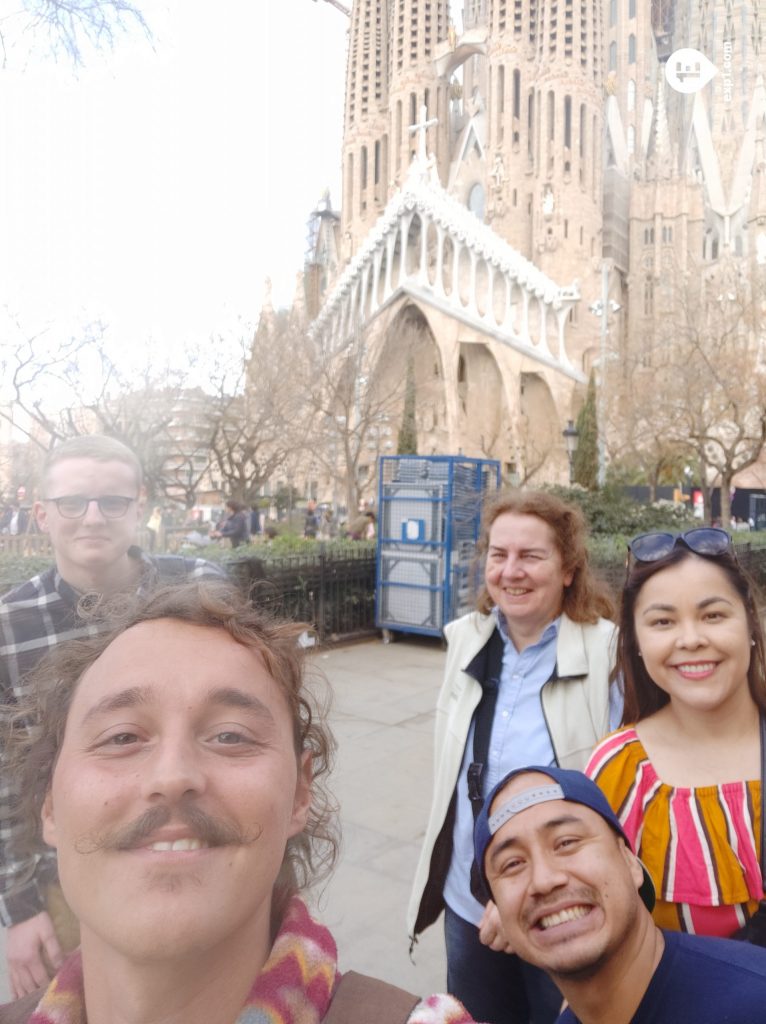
(520, 186)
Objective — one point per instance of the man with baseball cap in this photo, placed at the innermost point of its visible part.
(574, 900)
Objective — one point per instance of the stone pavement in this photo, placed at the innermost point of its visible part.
(384, 699)
(385, 695)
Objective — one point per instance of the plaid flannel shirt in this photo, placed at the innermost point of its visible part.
(34, 618)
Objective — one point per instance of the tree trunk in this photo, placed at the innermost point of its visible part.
(726, 479)
(653, 477)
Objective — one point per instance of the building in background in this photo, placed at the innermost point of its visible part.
(554, 169)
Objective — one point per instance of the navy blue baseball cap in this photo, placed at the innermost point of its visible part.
(565, 785)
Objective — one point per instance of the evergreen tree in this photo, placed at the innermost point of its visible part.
(586, 457)
(408, 435)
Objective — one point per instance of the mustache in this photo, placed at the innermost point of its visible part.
(210, 830)
(539, 907)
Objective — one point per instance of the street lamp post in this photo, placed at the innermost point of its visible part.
(571, 437)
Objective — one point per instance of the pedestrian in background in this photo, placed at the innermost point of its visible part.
(153, 526)
(235, 526)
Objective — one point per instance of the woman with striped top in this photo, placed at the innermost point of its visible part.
(684, 774)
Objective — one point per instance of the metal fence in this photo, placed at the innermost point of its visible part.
(334, 592)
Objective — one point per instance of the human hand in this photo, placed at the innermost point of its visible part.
(491, 930)
(26, 944)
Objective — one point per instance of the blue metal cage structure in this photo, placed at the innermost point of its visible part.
(429, 510)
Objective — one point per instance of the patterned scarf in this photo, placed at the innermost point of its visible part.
(294, 987)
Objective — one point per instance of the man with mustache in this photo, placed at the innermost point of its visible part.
(91, 507)
(574, 900)
(178, 769)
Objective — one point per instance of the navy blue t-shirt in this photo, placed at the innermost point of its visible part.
(704, 980)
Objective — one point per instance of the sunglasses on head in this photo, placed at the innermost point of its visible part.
(703, 540)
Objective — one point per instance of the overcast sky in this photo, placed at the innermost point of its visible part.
(157, 187)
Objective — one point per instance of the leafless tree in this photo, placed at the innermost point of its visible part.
(68, 27)
(256, 415)
(701, 388)
(60, 390)
(354, 399)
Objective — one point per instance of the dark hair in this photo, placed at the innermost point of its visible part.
(34, 729)
(234, 505)
(586, 599)
(642, 695)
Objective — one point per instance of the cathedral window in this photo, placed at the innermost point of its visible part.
(631, 49)
(516, 105)
(631, 8)
(350, 181)
(631, 95)
(398, 135)
(567, 135)
(613, 56)
(476, 201)
(648, 297)
(568, 29)
(612, 13)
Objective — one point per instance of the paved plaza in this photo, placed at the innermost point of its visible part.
(384, 697)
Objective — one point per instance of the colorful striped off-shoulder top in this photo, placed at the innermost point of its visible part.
(699, 845)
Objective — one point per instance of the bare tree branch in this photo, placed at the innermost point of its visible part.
(69, 26)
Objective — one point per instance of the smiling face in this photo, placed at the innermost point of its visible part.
(175, 791)
(524, 574)
(692, 630)
(565, 885)
(91, 549)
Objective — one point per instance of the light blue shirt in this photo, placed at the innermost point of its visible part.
(519, 737)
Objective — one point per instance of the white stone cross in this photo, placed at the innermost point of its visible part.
(422, 130)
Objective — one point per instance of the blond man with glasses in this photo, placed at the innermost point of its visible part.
(91, 508)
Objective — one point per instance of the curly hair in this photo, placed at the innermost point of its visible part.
(586, 599)
(34, 729)
(642, 695)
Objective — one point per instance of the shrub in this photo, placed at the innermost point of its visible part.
(610, 511)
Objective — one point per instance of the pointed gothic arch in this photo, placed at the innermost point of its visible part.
(410, 336)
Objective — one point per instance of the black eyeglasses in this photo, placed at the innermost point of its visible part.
(703, 540)
(74, 506)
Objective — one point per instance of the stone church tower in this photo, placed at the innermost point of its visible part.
(517, 102)
(499, 170)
